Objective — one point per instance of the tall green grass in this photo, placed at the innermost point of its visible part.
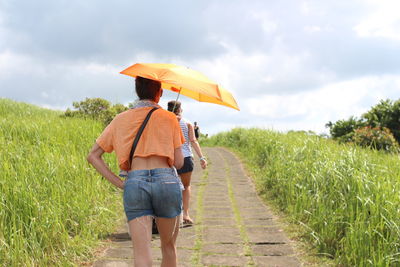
(53, 205)
(346, 198)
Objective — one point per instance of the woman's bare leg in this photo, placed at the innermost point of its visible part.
(185, 178)
(140, 229)
(168, 229)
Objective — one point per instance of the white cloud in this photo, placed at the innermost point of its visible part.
(312, 109)
(312, 29)
(11, 63)
(383, 21)
(263, 16)
(289, 68)
(96, 68)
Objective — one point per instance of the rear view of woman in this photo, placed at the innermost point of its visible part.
(152, 188)
(186, 171)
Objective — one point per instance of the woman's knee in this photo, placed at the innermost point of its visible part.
(169, 246)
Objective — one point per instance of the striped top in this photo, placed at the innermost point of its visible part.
(186, 147)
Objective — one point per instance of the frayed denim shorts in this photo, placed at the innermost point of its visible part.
(155, 192)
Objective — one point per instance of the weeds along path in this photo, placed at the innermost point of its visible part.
(232, 225)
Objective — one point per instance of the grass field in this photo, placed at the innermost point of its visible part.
(53, 205)
(345, 198)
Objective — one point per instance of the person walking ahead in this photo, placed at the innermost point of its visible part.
(186, 171)
(153, 187)
(196, 130)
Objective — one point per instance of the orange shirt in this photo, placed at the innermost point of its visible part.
(161, 136)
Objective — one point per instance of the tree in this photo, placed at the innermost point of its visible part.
(378, 128)
(385, 114)
(92, 107)
(118, 108)
(343, 130)
(95, 108)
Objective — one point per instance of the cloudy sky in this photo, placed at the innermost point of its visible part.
(291, 64)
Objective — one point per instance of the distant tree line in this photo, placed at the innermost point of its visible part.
(379, 128)
(97, 109)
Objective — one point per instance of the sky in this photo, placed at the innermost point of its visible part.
(290, 64)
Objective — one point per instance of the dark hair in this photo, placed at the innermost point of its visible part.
(172, 104)
(146, 88)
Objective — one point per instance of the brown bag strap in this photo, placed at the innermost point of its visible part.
(137, 137)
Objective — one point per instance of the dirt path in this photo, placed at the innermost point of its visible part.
(232, 225)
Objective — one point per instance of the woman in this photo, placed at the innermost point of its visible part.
(152, 188)
(186, 171)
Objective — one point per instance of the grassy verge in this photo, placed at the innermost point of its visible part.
(53, 205)
(345, 198)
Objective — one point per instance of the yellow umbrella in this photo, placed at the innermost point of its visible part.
(184, 81)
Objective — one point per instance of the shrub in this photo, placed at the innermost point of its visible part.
(377, 138)
(95, 108)
(92, 107)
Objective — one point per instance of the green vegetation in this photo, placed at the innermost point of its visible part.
(377, 138)
(379, 128)
(53, 205)
(96, 109)
(345, 197)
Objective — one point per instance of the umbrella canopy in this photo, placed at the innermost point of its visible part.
(227, 99)
(184, 81)
(178, 79)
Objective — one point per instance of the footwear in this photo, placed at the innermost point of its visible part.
(187, 221)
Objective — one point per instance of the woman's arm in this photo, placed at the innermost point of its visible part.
(95, 158)
(196, 146)
(178, 158)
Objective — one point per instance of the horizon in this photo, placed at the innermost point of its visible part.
(323, 134)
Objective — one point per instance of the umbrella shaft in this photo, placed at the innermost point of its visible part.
(173, 110)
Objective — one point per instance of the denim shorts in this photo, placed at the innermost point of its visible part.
(188, 165)
(155, 192)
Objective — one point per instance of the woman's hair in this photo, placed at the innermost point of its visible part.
(146, 88)
(174, 106)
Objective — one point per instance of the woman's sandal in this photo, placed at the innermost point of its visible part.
(187, 221)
